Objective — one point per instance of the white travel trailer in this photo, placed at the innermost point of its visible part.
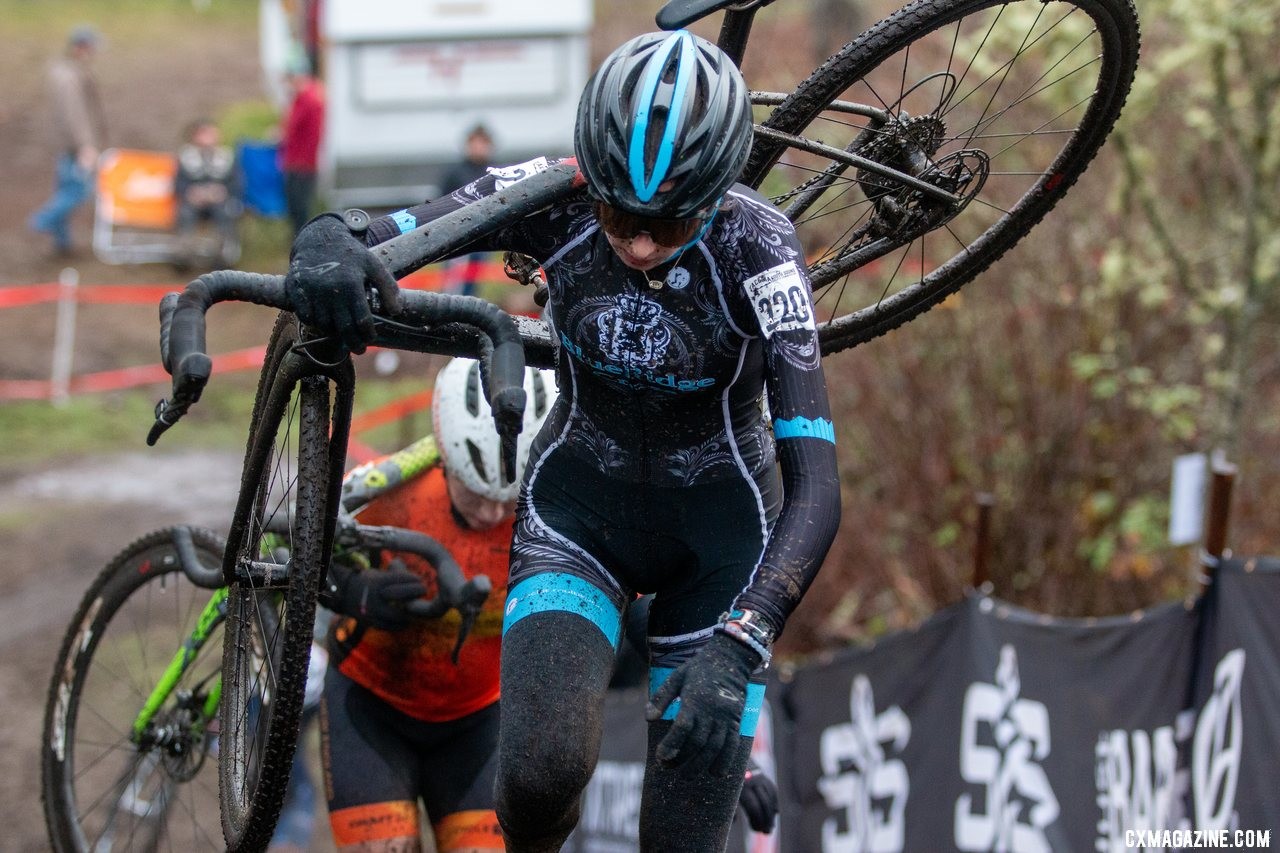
(406, 81)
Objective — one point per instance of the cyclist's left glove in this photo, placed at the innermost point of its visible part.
(329, 271)
(712, 688)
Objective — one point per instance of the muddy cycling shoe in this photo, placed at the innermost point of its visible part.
(712, 688)
(376, 597)
(330, 272)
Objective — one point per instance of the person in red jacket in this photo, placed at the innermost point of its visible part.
(300, 145)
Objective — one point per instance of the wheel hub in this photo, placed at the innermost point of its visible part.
(909, 145)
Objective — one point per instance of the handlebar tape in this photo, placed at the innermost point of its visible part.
(449, 578)
(182, 321)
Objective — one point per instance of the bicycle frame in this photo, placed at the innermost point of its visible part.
(210, 618)
(361, 486)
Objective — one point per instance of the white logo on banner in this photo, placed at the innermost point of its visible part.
(1215, 752)
(859, 778)
(1141, 786)
(1002, 740)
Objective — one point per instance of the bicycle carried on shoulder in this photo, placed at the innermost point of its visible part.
(132, 730)
(909, 162)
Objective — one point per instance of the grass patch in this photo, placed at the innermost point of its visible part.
(37, 433)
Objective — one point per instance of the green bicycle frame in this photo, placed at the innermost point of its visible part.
(212, 615)
(361, 486)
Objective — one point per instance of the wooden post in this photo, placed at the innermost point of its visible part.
(981, 546)
(64, 337)
(1215, 539)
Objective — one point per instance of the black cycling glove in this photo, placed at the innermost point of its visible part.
(329, 271)
(712, 687)
(375, 597)
(759, 800)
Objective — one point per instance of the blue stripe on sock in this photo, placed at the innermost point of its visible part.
(567, 593)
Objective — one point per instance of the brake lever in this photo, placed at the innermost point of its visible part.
(167, 413)
(474, 595)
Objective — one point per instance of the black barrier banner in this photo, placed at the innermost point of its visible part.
(992, 728)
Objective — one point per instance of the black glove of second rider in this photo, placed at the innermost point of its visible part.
(759, 800)
(329, 271)
(712, 687)
(376, 597)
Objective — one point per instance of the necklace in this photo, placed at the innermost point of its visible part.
(659, 283)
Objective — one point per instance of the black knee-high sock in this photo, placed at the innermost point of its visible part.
(555, 670)
(691, 813)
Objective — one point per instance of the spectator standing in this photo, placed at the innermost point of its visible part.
(477, 157)
(207, 185)
(79, 124)
(460, 274)
(300, 145)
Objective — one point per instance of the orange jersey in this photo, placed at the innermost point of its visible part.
(412, 669)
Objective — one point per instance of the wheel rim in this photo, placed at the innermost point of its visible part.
(258, 619)
(121, 794)
(271, 602)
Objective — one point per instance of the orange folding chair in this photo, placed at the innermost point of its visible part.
(136, 210)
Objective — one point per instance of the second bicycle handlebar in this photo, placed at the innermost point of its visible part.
(453, 590)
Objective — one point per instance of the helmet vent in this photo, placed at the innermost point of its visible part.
(477, 461)
(473, 390)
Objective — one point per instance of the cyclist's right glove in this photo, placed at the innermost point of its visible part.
(375, 597)
(329, 270)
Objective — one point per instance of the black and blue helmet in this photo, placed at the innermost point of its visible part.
(663, 107)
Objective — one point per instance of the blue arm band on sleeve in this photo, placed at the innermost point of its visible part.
(406, 220)
(802, 427)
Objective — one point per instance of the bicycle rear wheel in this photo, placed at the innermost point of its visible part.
(106, 788)
(274, 551)
(1000, 104)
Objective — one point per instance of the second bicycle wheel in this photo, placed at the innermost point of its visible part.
(991, 108)
(274, 550)
(116, 774)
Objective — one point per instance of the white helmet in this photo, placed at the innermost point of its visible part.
(464, 429)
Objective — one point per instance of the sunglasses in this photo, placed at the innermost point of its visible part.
(665, 232)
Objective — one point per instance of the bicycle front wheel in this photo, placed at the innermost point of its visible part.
(109, 784)
(991, 109)
(274, 561)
